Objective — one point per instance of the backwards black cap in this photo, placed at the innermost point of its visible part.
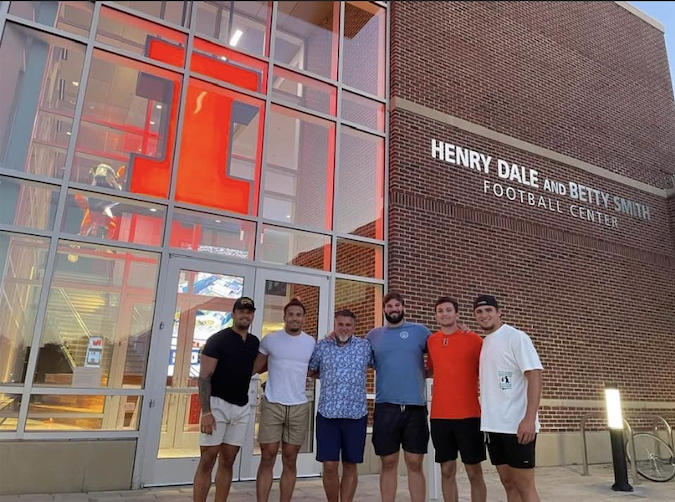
(485, 300)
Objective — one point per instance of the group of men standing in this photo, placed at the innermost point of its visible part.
(504, 366)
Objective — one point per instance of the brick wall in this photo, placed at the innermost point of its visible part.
(586, 79)
(596, 72)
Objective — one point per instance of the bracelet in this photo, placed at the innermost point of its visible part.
(207, 413)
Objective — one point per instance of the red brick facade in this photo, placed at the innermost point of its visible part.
(588, 80)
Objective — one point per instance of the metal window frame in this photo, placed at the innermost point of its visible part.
(64, 184)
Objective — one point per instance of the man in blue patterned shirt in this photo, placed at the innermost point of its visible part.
(341, 362)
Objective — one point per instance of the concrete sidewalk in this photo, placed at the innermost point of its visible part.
(555, 484)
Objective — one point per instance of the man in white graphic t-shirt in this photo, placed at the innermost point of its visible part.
(284, 409)
(510, 390)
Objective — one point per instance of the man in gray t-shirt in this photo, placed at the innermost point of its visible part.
(400, 417)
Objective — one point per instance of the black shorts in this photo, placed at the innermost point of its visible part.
(396, 425)
(453, 436)
(505, 449)
(340, 438)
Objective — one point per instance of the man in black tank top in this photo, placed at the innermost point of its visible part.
(225, 372)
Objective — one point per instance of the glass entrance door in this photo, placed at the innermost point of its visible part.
(273, 290)
(197, 303)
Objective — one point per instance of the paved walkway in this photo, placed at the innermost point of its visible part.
(555, 484)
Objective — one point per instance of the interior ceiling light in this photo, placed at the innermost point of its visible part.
(236, 37)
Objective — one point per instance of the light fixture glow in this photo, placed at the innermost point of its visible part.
(153, 210)
(236, 37)
(75, 83)
(159, 107)
(613, 403)
(152, 122)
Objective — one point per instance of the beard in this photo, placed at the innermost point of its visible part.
(395, 317)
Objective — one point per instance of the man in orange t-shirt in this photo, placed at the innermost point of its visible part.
(453, 360)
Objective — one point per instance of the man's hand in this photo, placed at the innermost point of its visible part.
(331, 335)
(526, 430)
(463, 328)
(208, 423)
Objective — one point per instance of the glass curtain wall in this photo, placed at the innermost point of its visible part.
(244, 131)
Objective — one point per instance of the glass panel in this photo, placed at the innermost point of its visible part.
(78, 412)
(212, 234)
(302, 91)
(128, 124)
(359, 206)
(244, 25)
(98, 325)
(39, 83)
(278, 294)
(307, 36)
(113, 218)
(363, 111)
(229, 66)
(172, 12)
(73, 17)
(365, 300)
(364, 47)
(27, 204)
(203, 307)
(294, 247)
(141, 37)
(301, 146)
(221, 148)
(360, 258)
(22, 260)
(9, 411)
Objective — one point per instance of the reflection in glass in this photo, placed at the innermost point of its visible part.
(307, 36)
(82, 412)
(27, 204)
(221, 149)
(291, 87)
(364, 47)
(242, 25)
(22, 260)
(365, 300)
(212, 234)
(113, 218)
(302, 148)
(39, 83)
(172, 12)
(359, 207)
(362, 111)
(128, 127)
(278, 294)
(203, 307)
(229, 66)
(294, 247)
(73, 17)
(360, 258)
(141, 37)
(9, 411)
(98, 325)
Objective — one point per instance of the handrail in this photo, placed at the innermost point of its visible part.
(584, 449)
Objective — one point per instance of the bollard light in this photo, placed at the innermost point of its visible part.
(613, 403)
(615, 424)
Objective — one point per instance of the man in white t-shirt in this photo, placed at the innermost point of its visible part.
(284, 409)
(510, 390)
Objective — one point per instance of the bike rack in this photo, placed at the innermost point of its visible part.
(584, 449)
(657, 420)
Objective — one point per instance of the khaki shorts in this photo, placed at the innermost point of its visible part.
(280, 422)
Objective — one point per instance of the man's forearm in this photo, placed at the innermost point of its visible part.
(205, 393)
(534, 386)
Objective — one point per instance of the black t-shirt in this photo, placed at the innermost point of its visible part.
(235, 356)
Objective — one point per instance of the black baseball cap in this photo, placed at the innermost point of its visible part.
(485, 300)
(244, 303)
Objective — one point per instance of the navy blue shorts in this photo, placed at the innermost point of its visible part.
(340, 435)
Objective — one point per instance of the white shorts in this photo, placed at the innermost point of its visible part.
(231, 424)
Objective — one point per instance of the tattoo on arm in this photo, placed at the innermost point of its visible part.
(205, 393)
